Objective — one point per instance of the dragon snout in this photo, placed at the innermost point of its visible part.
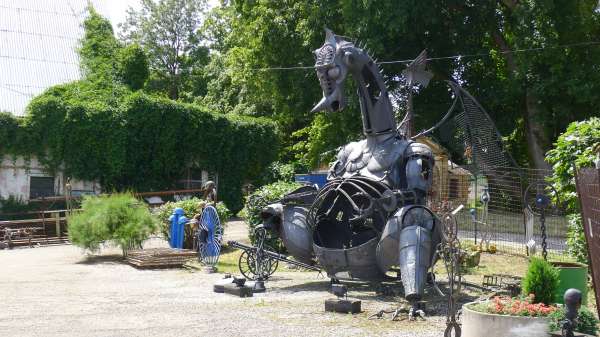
(332, 102)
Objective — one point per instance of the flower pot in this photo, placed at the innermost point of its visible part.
(479, 324)
(571, 275)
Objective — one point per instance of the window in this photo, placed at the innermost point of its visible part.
(40, 187)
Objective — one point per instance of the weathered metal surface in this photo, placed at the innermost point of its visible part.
(588, 189)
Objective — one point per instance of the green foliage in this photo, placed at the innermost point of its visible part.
(118, 218)
(13, 139)
(279, 171)
(190, 208)
(586, 321)
(98, 49)
(133, 66)
(541, 280)
(576, 242)
(135, 141)
(260, 199)
(168, 32)
(543, 90)
(577, 147)
(14, 204)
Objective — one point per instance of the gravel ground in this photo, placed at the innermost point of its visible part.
(59, 291)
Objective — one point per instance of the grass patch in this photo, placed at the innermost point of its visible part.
(228, 261)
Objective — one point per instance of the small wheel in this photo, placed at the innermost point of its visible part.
(245, 262)
(247, 265)
(273, 263)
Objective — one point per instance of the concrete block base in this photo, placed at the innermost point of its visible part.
(343, 306)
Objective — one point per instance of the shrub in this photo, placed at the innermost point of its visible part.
(541, 280)
(118, 218)
(190, 208)
(586, 321)
(262, 197)
(576, 242)
(513, 306)
(133, 66)
(576, 147)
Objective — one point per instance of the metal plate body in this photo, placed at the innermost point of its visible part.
(588, 189)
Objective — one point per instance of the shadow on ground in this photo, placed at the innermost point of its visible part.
(102, 259)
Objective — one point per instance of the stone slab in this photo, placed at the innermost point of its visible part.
(343, 306)
(233, 289)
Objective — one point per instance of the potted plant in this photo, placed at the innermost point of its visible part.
(526, 315)
(506, 316)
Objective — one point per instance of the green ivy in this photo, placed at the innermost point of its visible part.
(135, 141)
(577, 147)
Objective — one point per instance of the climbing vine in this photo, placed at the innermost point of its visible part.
(128, 140)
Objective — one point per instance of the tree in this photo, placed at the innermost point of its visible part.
(133, 66)
(99, 48)
(532, 94)
(167, 30)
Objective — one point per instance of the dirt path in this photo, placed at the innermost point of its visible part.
(57, 291)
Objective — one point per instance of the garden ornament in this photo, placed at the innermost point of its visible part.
(209, 236)
(371, 216)
(538, 198)
(210, 191)
(483, 219)
(178, 222)
(572, 299)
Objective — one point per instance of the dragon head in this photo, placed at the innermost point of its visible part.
(332, 70)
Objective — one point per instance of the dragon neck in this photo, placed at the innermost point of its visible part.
(375, 105)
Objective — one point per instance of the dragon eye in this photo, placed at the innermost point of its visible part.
(334, 72)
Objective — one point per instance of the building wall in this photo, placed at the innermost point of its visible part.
(15, 178)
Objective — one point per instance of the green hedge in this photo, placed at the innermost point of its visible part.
(135, 141)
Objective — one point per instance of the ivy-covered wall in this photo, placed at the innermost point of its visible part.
(132, 140)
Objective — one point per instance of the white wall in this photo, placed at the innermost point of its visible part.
(15, 177)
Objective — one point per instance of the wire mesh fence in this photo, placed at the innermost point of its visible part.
(495, 213)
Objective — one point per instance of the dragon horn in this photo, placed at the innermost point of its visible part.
(322, 105)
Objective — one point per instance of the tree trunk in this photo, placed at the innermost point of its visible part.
(536, 137)
(534, 130)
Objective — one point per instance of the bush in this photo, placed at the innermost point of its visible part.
(190, 208)
(576, 242)
(262, 197)
(541, 280)
(577, 147)
(133, 66)
(118, 218)
(586, 321)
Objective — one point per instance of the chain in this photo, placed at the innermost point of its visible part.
(544, 236)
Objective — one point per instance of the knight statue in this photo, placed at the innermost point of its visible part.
(370, 219)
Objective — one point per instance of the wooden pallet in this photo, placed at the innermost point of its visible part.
(160, 257)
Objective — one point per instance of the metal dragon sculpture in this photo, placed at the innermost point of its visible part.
(370, 218)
